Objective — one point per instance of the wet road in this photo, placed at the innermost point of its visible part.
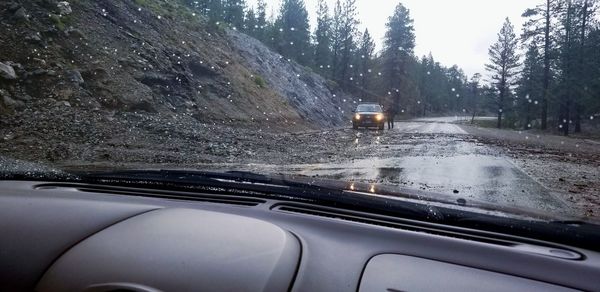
(439, 157)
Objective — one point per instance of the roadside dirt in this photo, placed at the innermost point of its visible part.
(570, 167)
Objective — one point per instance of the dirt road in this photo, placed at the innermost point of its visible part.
(519, 169)
(432, 156)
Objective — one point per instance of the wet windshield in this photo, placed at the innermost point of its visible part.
(368, 108)
(485, 101)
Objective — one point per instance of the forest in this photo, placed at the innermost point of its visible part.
(544, 75)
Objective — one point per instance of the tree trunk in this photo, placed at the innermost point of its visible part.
(501, 107)
(581, 64)
(527, 116)
(546, 82)
(568, 72)
(577, 119)
(566, 118)
(499, 124)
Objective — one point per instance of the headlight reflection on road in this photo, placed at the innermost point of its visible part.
(372, 189)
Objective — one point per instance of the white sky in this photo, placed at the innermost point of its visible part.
(454, 31)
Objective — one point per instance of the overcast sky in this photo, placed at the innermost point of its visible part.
(454, 31)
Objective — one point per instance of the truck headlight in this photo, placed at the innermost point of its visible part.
(379, 117)
(357, 117)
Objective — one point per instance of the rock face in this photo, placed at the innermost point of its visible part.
(7, 72)
(64, 8)
(137, 61)
(305, 90)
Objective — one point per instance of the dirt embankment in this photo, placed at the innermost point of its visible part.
(150, 56)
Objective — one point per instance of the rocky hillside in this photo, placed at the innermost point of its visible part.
(150, 57)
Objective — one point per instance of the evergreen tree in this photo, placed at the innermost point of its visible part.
(473, 97)
(211, 9)
(591, 97)
(457, 88)
(322, 37)
(294, 28)
(530, 85)
(336, 39)
(261, 21)
(234, 13)
(348, 30)
(566, 62)
(398, 49)
(582, 79)
(365, 55)
(538, 28)
(250, 23)
(503, 65)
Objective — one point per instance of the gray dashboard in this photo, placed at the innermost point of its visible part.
(71, 238)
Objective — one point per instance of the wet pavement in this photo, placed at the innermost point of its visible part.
(437, 157)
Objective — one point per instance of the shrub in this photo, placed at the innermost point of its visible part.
(260, 81)
(60, 21)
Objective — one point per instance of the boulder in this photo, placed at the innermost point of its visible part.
(75, 77)
(34, 38)
(14, 7)
(63, 103)
(11, 103)
(64, 8)
(75, 33)
(21, 15)
(7, 72)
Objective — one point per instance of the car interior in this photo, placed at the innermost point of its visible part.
(101, 237)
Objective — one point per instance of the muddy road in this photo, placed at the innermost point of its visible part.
(437, 155)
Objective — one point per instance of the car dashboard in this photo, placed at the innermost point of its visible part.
(85, 237)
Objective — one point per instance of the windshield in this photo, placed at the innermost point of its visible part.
(488, 101)
(368, 108)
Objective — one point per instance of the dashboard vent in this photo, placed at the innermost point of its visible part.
(432, 228)
(163, 194)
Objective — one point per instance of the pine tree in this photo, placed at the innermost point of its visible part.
(294, 28)
(234, 13)
(250, 23)
(591, 97)
(539, 29)
(213, 10)
(322, 37)
(530, 85)
(261, 21)
(347, 35)
(365, 55)
(457, 89)
(503, 65)
(473, 96)
(566, 63)
(336, 39)
(398, 49)
(587, 14)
